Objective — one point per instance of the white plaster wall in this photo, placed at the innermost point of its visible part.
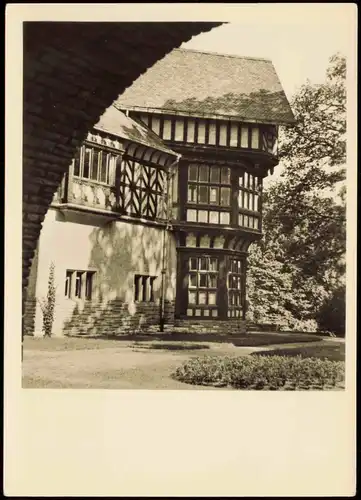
(116, 251)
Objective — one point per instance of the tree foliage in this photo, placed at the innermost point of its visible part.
(302, 255)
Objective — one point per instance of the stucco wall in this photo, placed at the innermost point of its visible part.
(116, 250)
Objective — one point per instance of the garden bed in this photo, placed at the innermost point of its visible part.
(263, 373)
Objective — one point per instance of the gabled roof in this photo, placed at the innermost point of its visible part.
(210, 84)
(114, 122)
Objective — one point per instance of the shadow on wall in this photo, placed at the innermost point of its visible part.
(119, 251)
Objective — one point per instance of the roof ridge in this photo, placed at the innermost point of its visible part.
(211, 53)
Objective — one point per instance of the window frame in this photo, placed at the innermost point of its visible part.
(202, 208)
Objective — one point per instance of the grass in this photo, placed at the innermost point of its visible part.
(147, 361)
(247, 340)
(333, 351)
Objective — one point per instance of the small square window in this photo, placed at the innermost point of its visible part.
(68, 283)
(213, 264)
(192, 215)
(78, 284)
(225, 175)
(203, 264)
(193, 263)
(202, 298)
(215, 171)
(203, 281)
(192, 280)
(192, 298)
(225, 196)
(192, 193)
(203, 194)
(193, 172)
(224, 217)
(214, 195)
(212, 281)
(202, 216)
(213, 217)
(203, 173)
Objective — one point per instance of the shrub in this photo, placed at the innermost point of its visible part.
(332, 314)
(263, 372)
(48, 304)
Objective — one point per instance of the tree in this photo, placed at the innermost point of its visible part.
(304, 225)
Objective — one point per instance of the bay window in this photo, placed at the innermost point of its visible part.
(202, 286)
(208, 194)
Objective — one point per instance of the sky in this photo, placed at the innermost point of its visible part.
(299, 40)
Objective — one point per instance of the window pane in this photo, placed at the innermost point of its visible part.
(215, 174)
(192, 298)
(78, 284)
(202, 216)
(192, 215)
(225, 197)
(240, 180)
(245, 220)
(244, 137)
(225, 175)
(94, 169)
(202, 298)
(213, 217)
(214, 195)
(193, 263)
(255, 138)
(203, 194)
(76, 163)
(203, 173)
(192, 193)
(212, 281)
(224, 217)
(203, 264)
(192, 280)
(240, 199)
(246, 179)
(240, 220)
(68, 283)
(256, 208)
(103, 167)
(213, 264)
(89, 286)
(192, 172)
(87, 159)
(211, 298)
(203, 282)
(214, 313)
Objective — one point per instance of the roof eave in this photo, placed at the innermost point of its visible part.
(164, 111)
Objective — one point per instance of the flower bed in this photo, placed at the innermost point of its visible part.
(262, 373)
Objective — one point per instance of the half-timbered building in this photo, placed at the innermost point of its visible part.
(152, 223)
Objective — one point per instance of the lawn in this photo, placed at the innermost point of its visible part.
(141, 362)
(334, 351)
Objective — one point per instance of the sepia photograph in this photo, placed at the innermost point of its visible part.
(187, 189)
(191, 234)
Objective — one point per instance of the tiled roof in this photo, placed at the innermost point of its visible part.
(114, 122)
(204, 83)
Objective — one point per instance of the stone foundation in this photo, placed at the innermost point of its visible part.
(29, 316)
(117, 318)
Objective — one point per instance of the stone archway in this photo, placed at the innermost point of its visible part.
(72, 73)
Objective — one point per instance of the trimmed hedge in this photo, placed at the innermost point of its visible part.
(262, 373)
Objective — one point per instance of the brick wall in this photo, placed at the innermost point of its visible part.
(72, 73)
(229, 326)
(116, 318)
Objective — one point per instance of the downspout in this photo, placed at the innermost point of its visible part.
(167, 227)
